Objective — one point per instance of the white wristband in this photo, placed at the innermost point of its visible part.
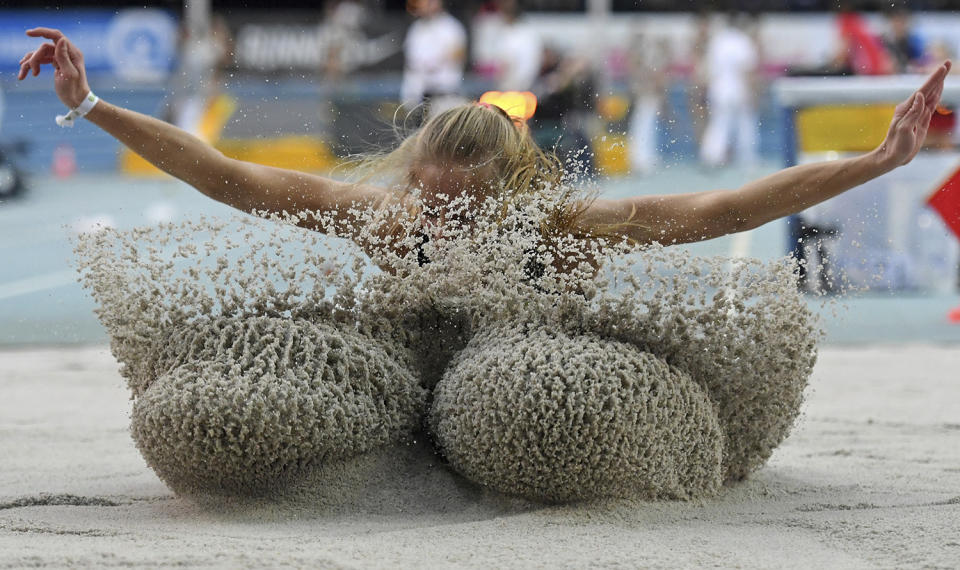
(88, 103)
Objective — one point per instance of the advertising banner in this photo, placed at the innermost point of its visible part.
(134, 44)
(341, 41)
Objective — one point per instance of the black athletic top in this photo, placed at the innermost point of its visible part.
(533, 269)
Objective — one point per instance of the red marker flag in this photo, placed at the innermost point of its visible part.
(946, 201)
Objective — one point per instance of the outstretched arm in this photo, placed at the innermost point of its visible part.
(700, 216)
(243, 185)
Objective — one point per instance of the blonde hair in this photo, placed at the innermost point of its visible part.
(485, 138)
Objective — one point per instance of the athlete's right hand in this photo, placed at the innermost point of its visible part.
(70, 77)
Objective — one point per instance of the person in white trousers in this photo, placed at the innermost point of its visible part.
(649, 58)
(732, 60)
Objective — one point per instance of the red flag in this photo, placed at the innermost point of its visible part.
(946, 201)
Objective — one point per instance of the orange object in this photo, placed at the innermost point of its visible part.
(946, 201)
(520, 105)
(941, 128)
(941, 110)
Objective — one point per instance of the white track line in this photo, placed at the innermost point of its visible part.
(740, 244)
(37, 283)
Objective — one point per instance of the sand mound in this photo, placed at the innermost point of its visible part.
(245, 405)
(537, 413)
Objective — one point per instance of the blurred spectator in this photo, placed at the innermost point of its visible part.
(518, 50)
(6, 170)
(342, 27)
(904, 46)
(566, 99)
(861, 52)
(938, 52)
(697, 90)
(205, 52)
(11, 182)
(649, 59)
(435, 51)
(732, 61)
(485, 31)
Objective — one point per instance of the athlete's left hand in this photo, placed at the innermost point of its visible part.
(911, 120)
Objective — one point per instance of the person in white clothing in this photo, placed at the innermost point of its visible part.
(732, 60)
(206, 49)
(649, 59)
(518, 50)
(434, 51)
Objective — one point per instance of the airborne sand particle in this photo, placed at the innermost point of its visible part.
(256, 354)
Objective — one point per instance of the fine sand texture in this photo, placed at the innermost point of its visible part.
(869, 478)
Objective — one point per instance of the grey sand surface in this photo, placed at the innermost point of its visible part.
(870, 478)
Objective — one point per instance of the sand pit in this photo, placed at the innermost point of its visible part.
(869, 478)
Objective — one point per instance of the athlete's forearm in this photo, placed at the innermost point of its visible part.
(797, 188)
(170, 149)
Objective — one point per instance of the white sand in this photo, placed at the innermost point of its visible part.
(869, 478)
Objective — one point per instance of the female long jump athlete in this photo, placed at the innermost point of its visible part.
(477, 149)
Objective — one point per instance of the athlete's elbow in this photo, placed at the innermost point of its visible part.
(218, 180)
